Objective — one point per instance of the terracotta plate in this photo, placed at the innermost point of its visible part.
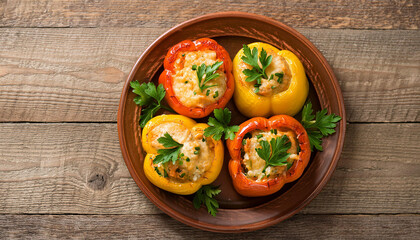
(236, 213)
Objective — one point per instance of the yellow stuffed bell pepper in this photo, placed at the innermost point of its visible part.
(268, 81)
(180, 159)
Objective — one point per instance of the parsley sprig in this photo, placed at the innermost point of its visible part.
(170, 152)
(275, 152)
(220, 125)
(205, 196)
(318, 126)
(149, 98)
(209, 71)
(256, 72)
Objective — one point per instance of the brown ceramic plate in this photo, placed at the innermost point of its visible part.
(236, 213)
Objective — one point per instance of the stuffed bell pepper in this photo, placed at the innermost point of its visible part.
(197, 77)
(266, 154)
(180, 159)
(268, 81)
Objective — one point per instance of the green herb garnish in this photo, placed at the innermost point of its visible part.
(256, 72)
(220, 125)
(209, 71)
(216, 94)
(205, 196)
(279, 77)
(171, 151)
(157, 171)
(275, 152)
(148, 95)
(318, 126)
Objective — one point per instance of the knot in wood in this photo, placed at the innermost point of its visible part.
(97, 181)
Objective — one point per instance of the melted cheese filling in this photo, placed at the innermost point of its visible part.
(192, 163)
(185, 80)
(254, 165)
(269, 86)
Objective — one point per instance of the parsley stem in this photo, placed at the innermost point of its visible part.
(266, 165)
(264, 74)
(167, 108)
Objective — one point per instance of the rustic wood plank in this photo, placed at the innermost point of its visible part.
(56, 75)
(300, 13)
(62, 168)
(162, 226)
(78, 168)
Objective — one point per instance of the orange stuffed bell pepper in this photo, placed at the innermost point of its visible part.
(268, 81)
(197, 77)
(179, 158)
(266, 154)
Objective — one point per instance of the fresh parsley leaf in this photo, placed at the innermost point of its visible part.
(168, 142)
(220, 125)
(275, 152)
(318, 126)
(166, 155)
(149, 98)
(265, 151)
(252, 74)
(170, 152)
(205, 196)
(209, 71)
(251, 57)
(139, 89)
(158, 93)
(265, 61)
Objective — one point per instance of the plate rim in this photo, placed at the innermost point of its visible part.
(247, 227)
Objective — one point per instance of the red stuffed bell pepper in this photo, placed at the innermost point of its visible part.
(267, 153)
(197, 77)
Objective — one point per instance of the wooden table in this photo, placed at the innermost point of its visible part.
(62, 67)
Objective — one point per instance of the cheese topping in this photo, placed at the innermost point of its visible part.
(274, 85)
(185, 80)
(254, 165)
(196, 155)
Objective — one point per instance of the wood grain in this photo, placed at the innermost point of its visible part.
(67, 60)
(151, 13)
(162, 226)
(70, 168)
(76, 75)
